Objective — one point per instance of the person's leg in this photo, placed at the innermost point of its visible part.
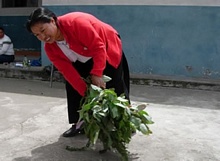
(73, 101)
(126, 72)
(74, 98)
(6, 58)
(120, 78)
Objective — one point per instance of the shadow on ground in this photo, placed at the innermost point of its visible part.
(57, 152)
(32, 87)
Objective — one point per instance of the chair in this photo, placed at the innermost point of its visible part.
(51, 75)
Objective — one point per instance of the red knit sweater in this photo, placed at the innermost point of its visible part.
(88, 36)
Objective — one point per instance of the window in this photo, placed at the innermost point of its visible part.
(19, 3)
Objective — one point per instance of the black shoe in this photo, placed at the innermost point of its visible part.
(72, 132)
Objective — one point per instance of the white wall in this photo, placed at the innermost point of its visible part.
(134, 2)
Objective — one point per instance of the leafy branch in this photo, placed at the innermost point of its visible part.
(111, 119)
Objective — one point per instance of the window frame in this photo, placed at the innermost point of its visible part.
(17, 11)
(13, 2)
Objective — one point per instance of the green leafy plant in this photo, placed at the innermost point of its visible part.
(111, 119)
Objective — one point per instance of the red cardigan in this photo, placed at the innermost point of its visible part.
(88, 36)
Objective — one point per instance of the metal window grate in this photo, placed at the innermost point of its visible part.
(19, 3)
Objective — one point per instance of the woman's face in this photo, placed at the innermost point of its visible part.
(1, 34)
(46, 32)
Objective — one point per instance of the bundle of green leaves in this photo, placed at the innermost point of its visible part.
(111, 119)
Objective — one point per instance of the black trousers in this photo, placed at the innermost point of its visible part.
(120, 82)
(6, 58)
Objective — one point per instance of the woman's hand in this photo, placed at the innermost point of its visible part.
(98, 81)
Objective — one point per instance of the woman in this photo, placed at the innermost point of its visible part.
(79, 45)
(6, 48)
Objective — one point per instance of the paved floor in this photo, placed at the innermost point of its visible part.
(33, 116)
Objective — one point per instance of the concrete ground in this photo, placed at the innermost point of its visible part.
(33, 116)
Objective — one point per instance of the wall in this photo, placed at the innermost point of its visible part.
(166, 40)
(15, 28)
(160, 37)
(134, 2)
(13, 20)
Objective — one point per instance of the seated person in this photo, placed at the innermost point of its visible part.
(6, 48)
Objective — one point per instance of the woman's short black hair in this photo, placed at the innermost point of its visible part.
(1, 28)
(40, 15)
